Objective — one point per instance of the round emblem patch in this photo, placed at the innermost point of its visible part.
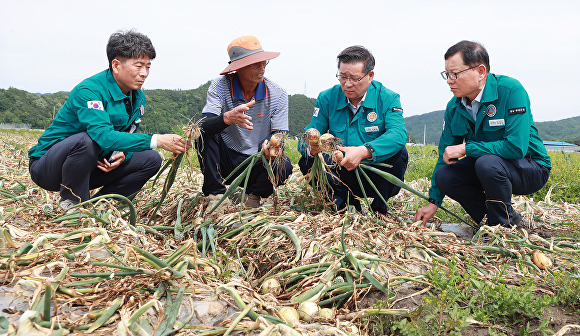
(491, 110)
(372, 116)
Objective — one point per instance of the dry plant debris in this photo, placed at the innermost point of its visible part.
(97, 269)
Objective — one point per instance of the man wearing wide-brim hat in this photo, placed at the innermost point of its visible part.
(243, 110)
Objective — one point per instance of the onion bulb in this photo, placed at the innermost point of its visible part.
(326, 313)
(313, 136)
(276, 141)
(541, 260)
(289, 314)
(337, 156)
(307, 310)
(271, 286)
(193, 132)
(327, 142)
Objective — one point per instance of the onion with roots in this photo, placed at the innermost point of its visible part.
(271, 286)
(541, 260)
(276, 143)
(328, 142)
(312, 136)
(193, 132)
(307, 310)
(289, 314)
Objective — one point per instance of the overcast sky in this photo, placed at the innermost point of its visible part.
(49, 46)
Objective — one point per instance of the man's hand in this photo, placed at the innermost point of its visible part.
(353, 155)
(115, 161)
(238, 116)
(314, 148)
(173, 143)
(426, 213)
(453, 153)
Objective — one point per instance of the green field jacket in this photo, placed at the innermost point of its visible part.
(378, 123)
(503, 127)
(97, 106)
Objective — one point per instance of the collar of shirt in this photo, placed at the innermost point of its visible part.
(114, 88)
(472, 110)
(370, 97)
(357, 107)
(260, 94)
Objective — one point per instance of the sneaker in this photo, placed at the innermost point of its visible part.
(213, 200)
(66, 204)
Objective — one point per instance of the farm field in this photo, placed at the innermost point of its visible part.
(110, 268)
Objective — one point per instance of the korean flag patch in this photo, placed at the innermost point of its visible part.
(315, 114)
(95, 104)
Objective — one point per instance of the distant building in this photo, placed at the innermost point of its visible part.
(561, 146)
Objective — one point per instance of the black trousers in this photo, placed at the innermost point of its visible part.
(217, 161)
(485, 185)
(344, 183)
(70, 166)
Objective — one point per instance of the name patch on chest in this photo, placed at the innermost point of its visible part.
(517, 110)
(372, 129)
(497, 122)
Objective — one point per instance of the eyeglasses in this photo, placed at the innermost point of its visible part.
(344, 79)
(453, 75)
(258, 65)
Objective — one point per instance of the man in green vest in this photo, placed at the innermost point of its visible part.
(489, 148)
(92, 141)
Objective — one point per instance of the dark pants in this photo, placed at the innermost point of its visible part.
(217, 161)
(344, 183)
(70, 166)
(485, 185)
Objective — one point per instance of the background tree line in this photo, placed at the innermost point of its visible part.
(169, 110)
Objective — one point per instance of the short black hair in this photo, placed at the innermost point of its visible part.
(473, 53)
(129, 44)
(356, 54)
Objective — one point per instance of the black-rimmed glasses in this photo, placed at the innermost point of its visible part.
(453, 75)
(344, 79)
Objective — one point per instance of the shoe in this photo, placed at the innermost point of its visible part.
(540, 229)
(213, 200)
(66, 204)
(515, 218)
(252, 201)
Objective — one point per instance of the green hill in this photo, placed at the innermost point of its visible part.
(562, 130)
(168, 110)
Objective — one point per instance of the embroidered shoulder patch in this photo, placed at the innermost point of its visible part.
(315, 114)
(95, 104)
(397, 109)
(517, 110)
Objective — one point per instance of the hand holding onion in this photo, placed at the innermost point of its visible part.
(312, 138)
(275, 146)
(353, 155)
